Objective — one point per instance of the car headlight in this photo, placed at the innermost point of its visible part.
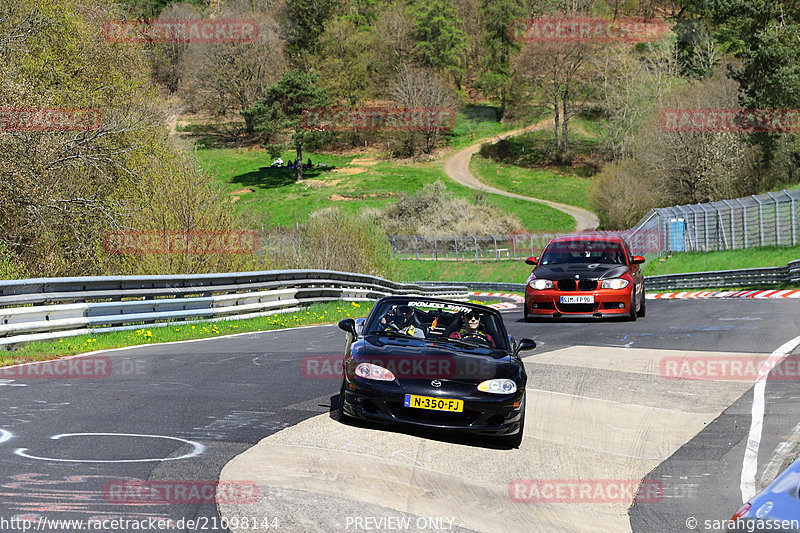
(616, 283)
(370, 371)
(498, 386)
(541, 284)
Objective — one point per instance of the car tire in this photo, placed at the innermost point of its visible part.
(515, 440)
(338, 414)
(643, 308)
(632, 313)
(525, 316)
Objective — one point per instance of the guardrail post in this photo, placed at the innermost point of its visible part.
(474, 238)
(760, 219)
(435, 249)
(744, 220)
(416, 246)
(733, 225)
(496, 253)
(514, 245)
(455, 240)
(777, 219)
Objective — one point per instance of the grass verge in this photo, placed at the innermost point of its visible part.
(278, 200)
(498, 271)
(680, 263)
(539, 183)
(317, 314)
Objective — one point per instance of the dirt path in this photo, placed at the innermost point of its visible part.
(457, 167)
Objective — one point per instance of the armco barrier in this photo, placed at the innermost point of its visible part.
(51, 308)
(744, 278)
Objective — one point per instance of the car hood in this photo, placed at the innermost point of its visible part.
(420, 359)
(589, 271)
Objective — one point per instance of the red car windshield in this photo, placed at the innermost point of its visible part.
(584, 252)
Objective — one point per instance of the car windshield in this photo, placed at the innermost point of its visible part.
(608, 252)
(454, 322)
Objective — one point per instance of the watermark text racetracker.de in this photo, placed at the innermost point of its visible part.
(90, 367)
(585, 30)
(730, 120)
(50, 119)
(203, 31)
(729, 368)
(109, 525)
(378, 119)
(139, 492)
(585, 490)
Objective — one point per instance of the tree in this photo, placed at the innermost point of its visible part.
(441, 41)
(630, 82)
(168, 58)
(345, 61)
(563, 70)
(223, 77)
(498, 45)
(765, 36)
(280, 110)
(420, 88)
(303, 22)
(62, 191)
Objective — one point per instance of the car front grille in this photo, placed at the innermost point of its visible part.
(444, 418)
(577, 308)
(579, 285)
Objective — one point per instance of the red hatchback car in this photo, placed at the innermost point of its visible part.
(585, 276)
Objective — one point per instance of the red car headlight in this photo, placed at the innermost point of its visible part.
(616, 283)
(541, 284)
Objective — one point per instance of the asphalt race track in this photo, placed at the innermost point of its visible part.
(602, 408)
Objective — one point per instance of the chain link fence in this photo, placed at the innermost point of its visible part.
(502, 247)
(760, 220)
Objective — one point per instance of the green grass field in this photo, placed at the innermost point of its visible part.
(536, 183)
(499, 271)
(679, 263)
(274, 198)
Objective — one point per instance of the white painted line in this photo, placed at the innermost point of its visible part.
(197, 449)
(5, 436)
(750, 462)
(780, 455)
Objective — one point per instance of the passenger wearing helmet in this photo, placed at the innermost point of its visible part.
(471, 329)
(401, 318)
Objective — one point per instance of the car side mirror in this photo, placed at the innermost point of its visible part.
(532, 260)
(637, 260)
(525, 345)
(349, 325)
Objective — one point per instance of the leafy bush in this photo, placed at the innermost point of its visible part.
(435, 211)
(333, 240)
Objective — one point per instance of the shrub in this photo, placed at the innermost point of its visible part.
(435, 211)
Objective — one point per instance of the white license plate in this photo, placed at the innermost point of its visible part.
(577, 299)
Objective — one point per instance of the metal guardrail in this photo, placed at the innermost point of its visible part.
(51, 308)
(745, 278)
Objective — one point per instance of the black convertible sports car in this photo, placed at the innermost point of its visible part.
(435, 363)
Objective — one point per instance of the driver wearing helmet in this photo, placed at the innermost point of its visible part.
(471, 329)
(401, 318)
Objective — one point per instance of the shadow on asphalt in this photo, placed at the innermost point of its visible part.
(442, 435)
